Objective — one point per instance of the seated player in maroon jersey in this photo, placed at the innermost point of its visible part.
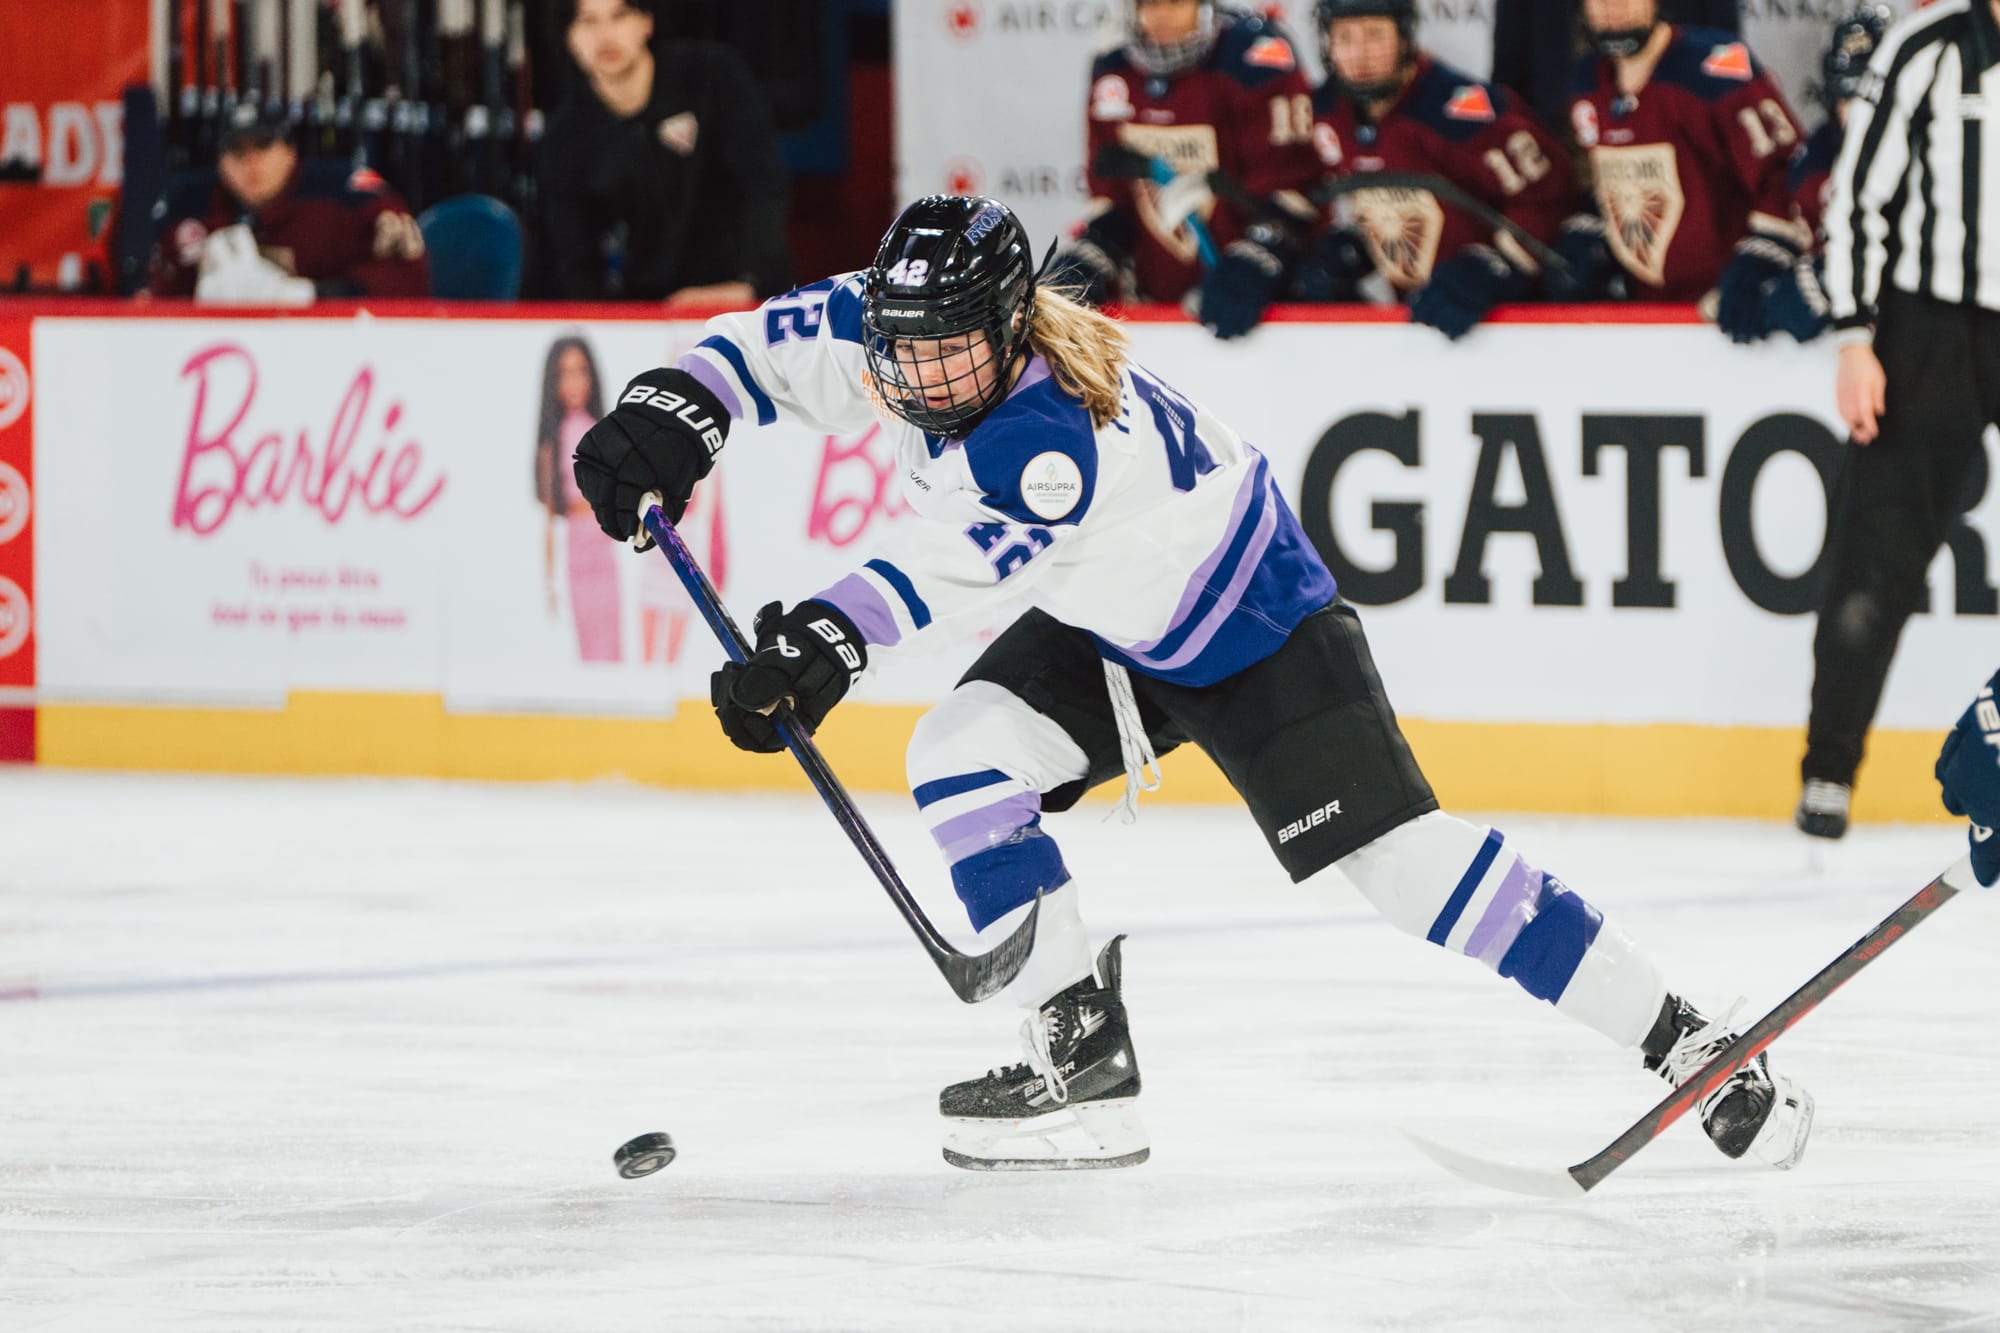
(1195, 88)
(269, 229)
(1689, 143)
(1387, 106)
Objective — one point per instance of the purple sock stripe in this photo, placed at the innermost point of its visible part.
(1454, 906)
(857, 599)
(703, 369)
(1513, 906)
(989, 823)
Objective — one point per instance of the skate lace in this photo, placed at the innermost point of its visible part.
(1142, 766)
(1824, 798)
(1698, 1047)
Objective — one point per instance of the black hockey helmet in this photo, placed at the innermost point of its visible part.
(950, 265)
(1167, 58)
(1855, 37)
(1328, 12)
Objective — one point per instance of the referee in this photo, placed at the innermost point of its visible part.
(1913, 282)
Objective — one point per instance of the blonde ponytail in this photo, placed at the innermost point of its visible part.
(1085, 350)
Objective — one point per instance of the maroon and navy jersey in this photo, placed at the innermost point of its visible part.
(344, 229)
(1812, 176)
(1245, 109)
(1692, 164)
(1478, 136)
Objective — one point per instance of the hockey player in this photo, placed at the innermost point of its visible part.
(1174, 599)
(1388, 106)
(1197, 88)
(1689, 141)
(269, 229)
(1797, 304)
(1968, 773)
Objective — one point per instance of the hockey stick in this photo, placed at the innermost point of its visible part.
(1119, 160)
(972, 977)
(1573, 1182)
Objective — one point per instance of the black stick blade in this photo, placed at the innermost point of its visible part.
(981, 976)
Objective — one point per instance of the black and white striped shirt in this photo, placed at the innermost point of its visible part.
(1916, 192)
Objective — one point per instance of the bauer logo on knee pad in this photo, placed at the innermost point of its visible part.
(1308, 822)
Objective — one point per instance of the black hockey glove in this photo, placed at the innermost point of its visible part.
(1797, 304)
(1334, 267)
(1087, 269)
(1243, 282)
(1742, 293)
(808, 655)
(662, 436)
(1464, 288)
(1968, 771)
(1593, 270)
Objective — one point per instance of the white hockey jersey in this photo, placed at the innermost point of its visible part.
(1163, 534)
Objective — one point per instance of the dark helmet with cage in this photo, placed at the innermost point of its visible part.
(1328, 12)
(1168, 58)
(1855, 37)
(951, 266)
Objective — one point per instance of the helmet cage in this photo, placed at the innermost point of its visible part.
(1164, 59)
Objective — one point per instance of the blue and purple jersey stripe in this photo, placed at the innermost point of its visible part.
(1244, 600)
(864, 597)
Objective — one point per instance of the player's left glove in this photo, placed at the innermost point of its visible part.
(1464, 288)
(1744, 290)
(1968, 772)
(1797, 304)
(663, 436)
(808, 655)
(1244, 281)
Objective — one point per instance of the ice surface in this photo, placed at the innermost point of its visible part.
(354, 1055)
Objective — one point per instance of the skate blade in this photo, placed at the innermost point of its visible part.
(1782, 1140)
(1090, 1137)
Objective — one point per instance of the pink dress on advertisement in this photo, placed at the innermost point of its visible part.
(593, 575)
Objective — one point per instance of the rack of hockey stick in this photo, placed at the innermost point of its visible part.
(435, 95)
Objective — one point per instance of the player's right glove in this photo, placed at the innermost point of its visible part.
(1743, 291)
(662, 436)
(1334, 267)
(1244, 281)
(1968, 772)
(1590, 269)
(808, 655)
(1464, 288)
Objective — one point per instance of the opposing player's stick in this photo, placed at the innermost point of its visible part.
(1118, 160)
(972, 977)
(1573, 1182)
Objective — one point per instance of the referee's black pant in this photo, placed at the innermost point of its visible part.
(1893, 503)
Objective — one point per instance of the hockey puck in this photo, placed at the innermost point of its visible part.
(644, 1155)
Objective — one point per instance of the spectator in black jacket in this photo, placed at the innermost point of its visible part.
(661, 174)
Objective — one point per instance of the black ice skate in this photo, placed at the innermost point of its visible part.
(1753, 1112)
(1822, 811)
(1071, 1105)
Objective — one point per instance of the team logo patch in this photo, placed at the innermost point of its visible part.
(1728, 62)
(679, 133)
(1639, 191)
(189, 235)
(1051, 485)
(1583, 119)
(1402, 228)
(1110, 99)
(1470, 103)
(13, 388)
(367, 181)
(1269, 53)
(1327, 142)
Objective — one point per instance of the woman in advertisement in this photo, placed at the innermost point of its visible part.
(572, 402)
